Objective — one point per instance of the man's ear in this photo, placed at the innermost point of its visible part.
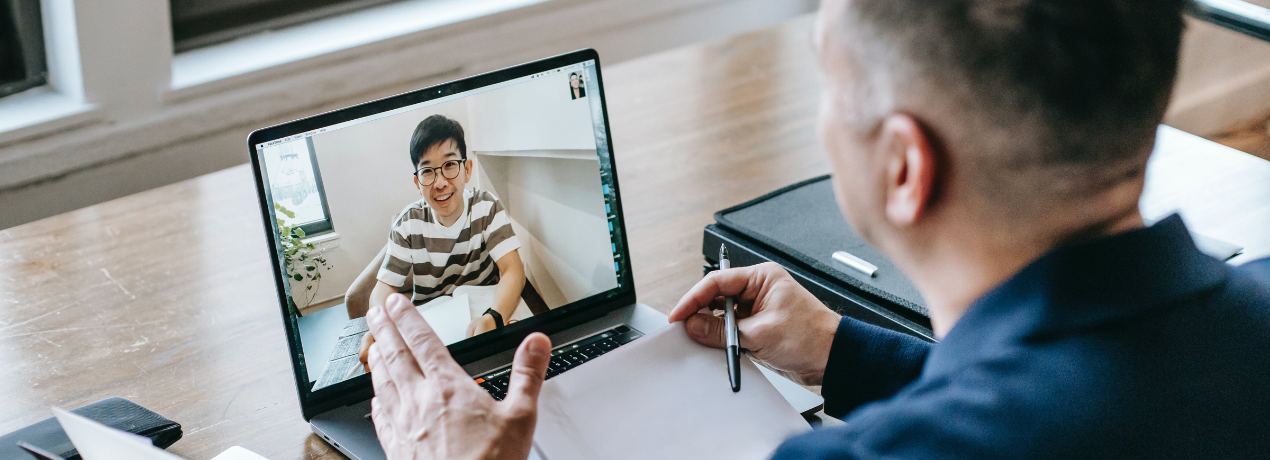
(911, 165)
(467, 170)
(417, 186)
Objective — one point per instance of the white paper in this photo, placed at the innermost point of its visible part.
(238, 453)
(664, 397)
(448, 316)
(481, 298)
(449, 319)
(95, 441)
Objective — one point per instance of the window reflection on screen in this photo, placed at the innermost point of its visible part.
(292, 181)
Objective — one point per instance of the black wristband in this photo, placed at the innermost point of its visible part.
(498, 318)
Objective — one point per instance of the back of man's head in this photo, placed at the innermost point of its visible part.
(1064, 92)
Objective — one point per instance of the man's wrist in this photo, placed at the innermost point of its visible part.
(822, 337)
(496, 316)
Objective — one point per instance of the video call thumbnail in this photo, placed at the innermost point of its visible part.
(484, 208)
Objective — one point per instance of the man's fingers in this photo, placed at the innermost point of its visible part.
(711, 331)
(364, 354)
(529, 368)
(395, 356)
(383, 422)
(728, 282)
(428, 349)
(385, 390)
(706, 329)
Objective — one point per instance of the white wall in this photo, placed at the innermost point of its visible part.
(558, 202)
(367, 177)
(538, 115)
(536, 148)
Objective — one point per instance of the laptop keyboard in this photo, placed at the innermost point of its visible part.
(564, 357)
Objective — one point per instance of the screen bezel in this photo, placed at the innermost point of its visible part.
(359, 388)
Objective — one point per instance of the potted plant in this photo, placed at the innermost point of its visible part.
(304, 261)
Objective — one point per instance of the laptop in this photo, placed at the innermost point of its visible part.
(362, 199)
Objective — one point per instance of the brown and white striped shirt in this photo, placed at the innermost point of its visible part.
(444, 258)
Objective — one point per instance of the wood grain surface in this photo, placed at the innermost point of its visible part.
(166, 297)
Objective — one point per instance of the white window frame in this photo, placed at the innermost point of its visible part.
(117, 91)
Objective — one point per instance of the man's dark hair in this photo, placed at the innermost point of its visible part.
(1032, 83)
(432, 131)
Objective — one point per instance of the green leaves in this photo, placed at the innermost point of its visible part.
(284, 211)
(304, 261)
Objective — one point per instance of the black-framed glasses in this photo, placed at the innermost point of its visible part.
(450, 170)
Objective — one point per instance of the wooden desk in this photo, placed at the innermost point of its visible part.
(166, 297)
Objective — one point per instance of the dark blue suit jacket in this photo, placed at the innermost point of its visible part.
(1131, 346)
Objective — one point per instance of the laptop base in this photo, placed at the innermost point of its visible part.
(348, 430)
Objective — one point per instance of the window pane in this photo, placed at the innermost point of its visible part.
(198, 23)
(295, 184)
(22, 64)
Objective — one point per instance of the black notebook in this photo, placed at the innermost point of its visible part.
(118, 413)
(803, 222)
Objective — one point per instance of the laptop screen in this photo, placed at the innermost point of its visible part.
(486, 208)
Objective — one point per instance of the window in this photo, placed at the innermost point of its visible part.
(296, 185)
(22, 60)
(198, 23)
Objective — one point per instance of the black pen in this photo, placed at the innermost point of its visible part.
(729, 322)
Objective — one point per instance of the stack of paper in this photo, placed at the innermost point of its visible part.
(448, 318)
(665, 397)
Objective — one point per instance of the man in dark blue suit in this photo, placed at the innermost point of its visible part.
(996, 151)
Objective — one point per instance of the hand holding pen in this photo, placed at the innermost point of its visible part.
(777, 321)
(733, 344)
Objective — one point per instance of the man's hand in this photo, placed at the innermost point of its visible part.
(378, 297)
(425, 406)
(779, 322)
(481, 325)
(363, 354)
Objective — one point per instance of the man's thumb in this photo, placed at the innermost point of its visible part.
(706, 330)
(529, 368)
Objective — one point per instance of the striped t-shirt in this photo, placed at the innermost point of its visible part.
(444, 258)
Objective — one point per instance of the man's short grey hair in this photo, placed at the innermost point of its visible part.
(1020, 85)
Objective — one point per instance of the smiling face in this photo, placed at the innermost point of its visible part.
(574, 81)
(444, 195)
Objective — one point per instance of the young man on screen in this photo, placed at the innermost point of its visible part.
(453, 236)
